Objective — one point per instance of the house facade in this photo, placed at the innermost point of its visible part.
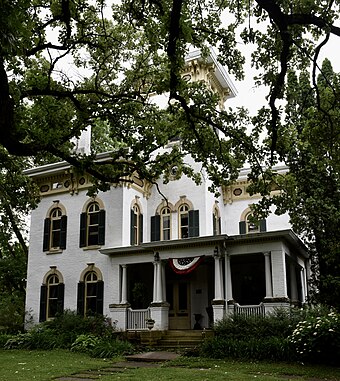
(184, 258)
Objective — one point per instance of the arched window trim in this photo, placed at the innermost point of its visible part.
(216, 220)
(136, 223)
(165, 225)
(244, 224)
(92, 227)
(47, 296)
(55, 229)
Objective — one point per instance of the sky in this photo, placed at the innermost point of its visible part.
(253, 97)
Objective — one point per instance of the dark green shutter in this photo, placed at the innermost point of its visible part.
(100, 297)
(263, 226)
(63, 230)
(214, 224)
(194, 230)
(242, 227)
(101, 227)
(46, 238)
(60, 301)
(43, 303)
(132, 229)
(156, 228)
(82, 236)
(81, 298)
(219, 226)
(141, 228)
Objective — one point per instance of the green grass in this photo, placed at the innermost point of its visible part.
(19, 365)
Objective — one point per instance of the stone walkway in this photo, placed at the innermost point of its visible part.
(142, 360)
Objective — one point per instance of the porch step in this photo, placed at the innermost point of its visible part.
(182, 339)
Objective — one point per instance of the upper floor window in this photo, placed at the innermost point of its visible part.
(188, 222)
(165, 224)
(90, 295)
(251, 225)
(216, 221)
(55, 226)
(92, 226)
(51, 298)
(136, 235)
(183, 215)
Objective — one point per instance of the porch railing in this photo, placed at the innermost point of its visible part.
(254, 310)
(136, 319)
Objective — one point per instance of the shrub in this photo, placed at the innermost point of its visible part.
(317, 338)
(101, 347)
(4, 338)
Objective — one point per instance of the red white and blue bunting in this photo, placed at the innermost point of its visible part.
(185, 265)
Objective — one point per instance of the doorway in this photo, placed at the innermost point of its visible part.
(178, 296)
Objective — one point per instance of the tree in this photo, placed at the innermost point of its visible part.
(68, 64)
(308, 143)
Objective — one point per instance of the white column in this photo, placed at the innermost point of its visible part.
(268, 275)
(228, 284)
(154, 282)
(124, 286)
(163, 282)
(303, 291)
(218, 284)
(159, 290)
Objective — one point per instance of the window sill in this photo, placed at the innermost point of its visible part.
(93, 247)
(54, 251)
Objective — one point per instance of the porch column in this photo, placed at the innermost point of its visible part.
(124, 286)
(218, 280)
(303, 285)
(163, 282)
(293, 283)
(228, 284)
(154, 282)
(159, 288)
(268, 275)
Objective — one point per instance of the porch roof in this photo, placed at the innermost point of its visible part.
(287, 236)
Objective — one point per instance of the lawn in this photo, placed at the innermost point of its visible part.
(19, 365)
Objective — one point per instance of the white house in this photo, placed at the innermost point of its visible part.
(184, 261)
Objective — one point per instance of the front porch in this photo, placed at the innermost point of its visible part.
(249, 275)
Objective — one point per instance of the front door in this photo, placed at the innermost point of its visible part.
(178, 295)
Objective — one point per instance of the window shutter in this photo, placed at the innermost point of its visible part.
(214, 224)
(82, 236)
(80, 298)
(219, 226)
(263, 226)
(43, 302)
(101, 227)
(194, 230)
(141, 228)
(100, 297)
(132, 230)
(61, 293)
(63, 230)
(156, 228)
(47, 229)
(242, 227)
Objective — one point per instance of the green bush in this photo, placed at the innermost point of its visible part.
(4, 338)
(268, 348)
(101, 347)
(317, 338)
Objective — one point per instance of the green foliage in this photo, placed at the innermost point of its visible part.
(101, 347)
(317, 339)
(63, 331)
(253, 337)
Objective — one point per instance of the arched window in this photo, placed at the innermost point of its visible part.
(183, 216)
(90, 295)
(250, 225)
(51, 297)
(55, 226)
(92, 226)
(216, 221)
(165, 224)
(136, 236)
